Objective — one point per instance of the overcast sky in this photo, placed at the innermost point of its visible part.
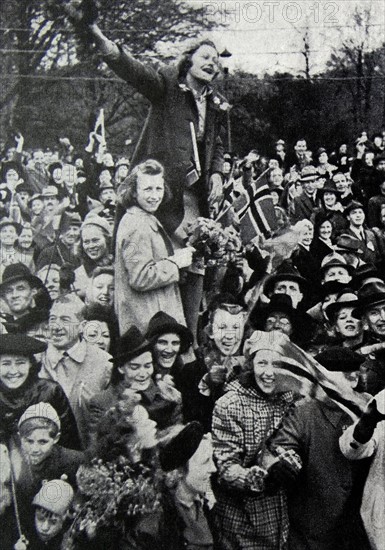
(267, 35)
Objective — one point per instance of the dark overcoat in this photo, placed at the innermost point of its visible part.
(166, 135)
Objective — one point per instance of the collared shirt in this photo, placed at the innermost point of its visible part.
(197, 534)
(201, 103)
(359, 232)
(62, 366)
(82, 371)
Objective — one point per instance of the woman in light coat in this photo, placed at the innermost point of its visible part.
(147, 270)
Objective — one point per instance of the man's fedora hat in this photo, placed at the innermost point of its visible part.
(285, 272)
(371, 294)
(353, 205)
(19, 272)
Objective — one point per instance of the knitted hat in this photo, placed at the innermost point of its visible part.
(41, 410)
(55, 496)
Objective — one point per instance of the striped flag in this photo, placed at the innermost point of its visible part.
(255, 210)
(301, 373)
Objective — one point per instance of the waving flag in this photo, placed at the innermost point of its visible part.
(255, 210)
(301, 373)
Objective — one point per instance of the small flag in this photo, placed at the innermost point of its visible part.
(255, 210)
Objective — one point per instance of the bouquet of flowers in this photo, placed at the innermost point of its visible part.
(113, 493)
(214, 245)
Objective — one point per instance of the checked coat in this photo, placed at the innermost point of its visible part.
(243, 420)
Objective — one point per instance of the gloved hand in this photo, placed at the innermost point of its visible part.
(217, 375)
(375, 412)
(281, 475)
(82, 15)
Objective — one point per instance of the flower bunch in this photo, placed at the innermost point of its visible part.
(113, 492)
(213, 244)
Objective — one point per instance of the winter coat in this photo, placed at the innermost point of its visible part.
(324, 504)
(243, 419)
(145, 280)
(14, 402)
(166, 135)
(372, 507)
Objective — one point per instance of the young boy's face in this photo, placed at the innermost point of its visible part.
(47, 524)
(38, 445)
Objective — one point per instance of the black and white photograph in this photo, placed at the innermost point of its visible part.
(192, 275)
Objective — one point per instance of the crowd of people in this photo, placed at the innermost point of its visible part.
(156, 392)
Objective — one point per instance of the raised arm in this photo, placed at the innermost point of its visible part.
(144, 79)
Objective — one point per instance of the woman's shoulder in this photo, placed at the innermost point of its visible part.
(137, 220)
(233, 396)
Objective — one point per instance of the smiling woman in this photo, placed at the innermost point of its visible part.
(95, 243)
(146, 268)
(21, 387)
(243, 419)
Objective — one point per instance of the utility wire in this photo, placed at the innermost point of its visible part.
(264, 81)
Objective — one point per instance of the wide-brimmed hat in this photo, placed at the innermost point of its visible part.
(19, 272)
(371, 294)
(7, 221)
(348, 243)
(285, 272)
(363, 273)
(281, 303)
(162, 323)
(335, 260)
(329, 187)
(353, 205)
(69, 219)
(309, 173)
(130, 345)
(339, 359)
(20, 344)
(178, 451)
(378, 159)
(347, 298)
(331, 287)
(50, 191)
